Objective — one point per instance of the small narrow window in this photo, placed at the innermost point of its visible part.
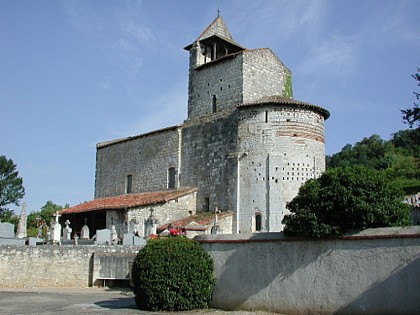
(258, 223)
(129, 184)
(206, 204)
(171, 177)
(214, 103)
(266, 116)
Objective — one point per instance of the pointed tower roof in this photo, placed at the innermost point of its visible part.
(217, 29)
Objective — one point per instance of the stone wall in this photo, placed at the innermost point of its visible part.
(55, 266)
(282, 146)
(221, 79)
(209, 160)
(240, 78)
(263, 75)
(375, 272)
(146, 158)
(369, 274)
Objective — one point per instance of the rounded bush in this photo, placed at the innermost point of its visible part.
(343, 200)
(172, 274)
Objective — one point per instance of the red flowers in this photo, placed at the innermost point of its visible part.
(177, 231)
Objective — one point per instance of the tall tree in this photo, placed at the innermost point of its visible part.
(372, 152)
(399, 156)
(37, 218)
(411, 116)
(346, 199)
(11, 185)
(408, 141)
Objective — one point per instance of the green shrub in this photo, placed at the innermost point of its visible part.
(172, 274)
(344, 200)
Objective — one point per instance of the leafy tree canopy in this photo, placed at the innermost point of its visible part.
(44, 216)
(372, 152)
(400, 156)
(346, 199)
(411, 116)
(11, 185)
(407, 141)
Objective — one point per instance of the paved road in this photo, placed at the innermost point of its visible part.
(66, 301)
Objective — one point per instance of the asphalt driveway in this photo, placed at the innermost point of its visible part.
(66, 301)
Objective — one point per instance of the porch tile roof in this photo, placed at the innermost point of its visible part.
(201, 218)
(129, 200)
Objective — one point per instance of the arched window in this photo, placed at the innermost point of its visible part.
(258, 222)
(171, 177)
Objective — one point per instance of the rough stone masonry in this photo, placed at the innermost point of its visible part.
(246, 145)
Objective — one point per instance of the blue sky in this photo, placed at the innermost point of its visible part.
(75, 73)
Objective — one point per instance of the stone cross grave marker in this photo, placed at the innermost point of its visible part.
(67, 231)
(56, 233)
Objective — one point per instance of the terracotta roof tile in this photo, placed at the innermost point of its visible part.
(202, 218)
(129, 200)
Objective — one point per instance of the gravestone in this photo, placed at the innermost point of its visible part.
(128, 239)
(139, 241)
(67, 231)
(51, 231)
(151, 224)
(56, 232)
(42, 228)
(7, 235)
(131, 227)
(114, 235)
(7, 230)
(84, 234)
(21, 230)
(32, 241)
(103, 236)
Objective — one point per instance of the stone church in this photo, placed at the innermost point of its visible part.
(245, 148)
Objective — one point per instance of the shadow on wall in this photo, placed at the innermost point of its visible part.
(299, 276)
(251, 268)
(382, 298)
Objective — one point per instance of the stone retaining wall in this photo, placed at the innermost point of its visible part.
(55, 266)
(374, 272)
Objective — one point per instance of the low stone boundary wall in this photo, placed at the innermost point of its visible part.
(375, 272)
(60, 266)
(362, 274)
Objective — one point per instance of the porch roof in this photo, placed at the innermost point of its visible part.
(129, 200)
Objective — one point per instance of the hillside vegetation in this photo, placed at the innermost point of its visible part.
(399, 156)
